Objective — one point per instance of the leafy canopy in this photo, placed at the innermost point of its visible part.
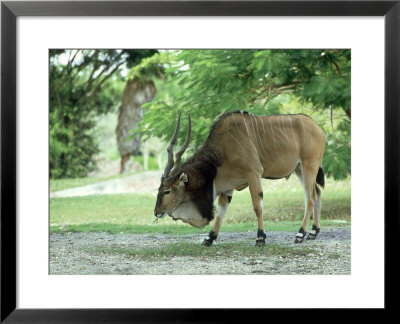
(209, 82)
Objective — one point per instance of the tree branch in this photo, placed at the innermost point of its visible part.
(337, 68)
(76, 53)
(104, 79)
(105, 69)
(90, 80)
(85, 63)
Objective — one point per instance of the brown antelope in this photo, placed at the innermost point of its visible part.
(241, 149)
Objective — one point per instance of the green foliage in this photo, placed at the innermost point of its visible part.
(83, 85)
(337, 158)
(204, 83)
(209, 82)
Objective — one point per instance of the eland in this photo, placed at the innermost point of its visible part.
(242, 149)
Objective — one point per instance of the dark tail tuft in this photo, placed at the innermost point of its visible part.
(321, 177)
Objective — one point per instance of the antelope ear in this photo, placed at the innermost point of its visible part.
(183, 179)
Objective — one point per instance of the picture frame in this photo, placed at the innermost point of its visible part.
(11, 10)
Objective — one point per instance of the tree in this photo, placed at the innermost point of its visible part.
(83, 84)
(136, 93)
(214, 81)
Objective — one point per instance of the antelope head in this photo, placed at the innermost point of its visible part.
(172, 198)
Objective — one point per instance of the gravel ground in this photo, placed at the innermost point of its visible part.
(75, 253)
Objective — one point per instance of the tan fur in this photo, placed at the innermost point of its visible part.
(303, 142)
(255, 147)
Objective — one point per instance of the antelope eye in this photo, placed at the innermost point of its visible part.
(166, 192)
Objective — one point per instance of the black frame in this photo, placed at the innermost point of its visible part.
(11, 10)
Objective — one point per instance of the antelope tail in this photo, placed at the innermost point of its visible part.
(321, 177)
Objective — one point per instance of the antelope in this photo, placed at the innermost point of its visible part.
(241, 149)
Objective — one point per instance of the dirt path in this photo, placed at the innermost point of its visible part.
(144, 182)
(86, 253)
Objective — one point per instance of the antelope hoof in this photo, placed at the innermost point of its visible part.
(260, 237)
(299, 238)
(260, 242)
(311, 237)
(207, 242)
(313, 233)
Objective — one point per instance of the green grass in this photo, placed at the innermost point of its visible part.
(184, 249)
(178, 229)
(133, 213)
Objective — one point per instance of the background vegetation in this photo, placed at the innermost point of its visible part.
(84, 84)
(206, 83)
(88, 84)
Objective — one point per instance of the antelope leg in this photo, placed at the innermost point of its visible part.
(256, 193)
(224, 200)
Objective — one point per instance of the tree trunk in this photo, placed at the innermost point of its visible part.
(136, 93)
